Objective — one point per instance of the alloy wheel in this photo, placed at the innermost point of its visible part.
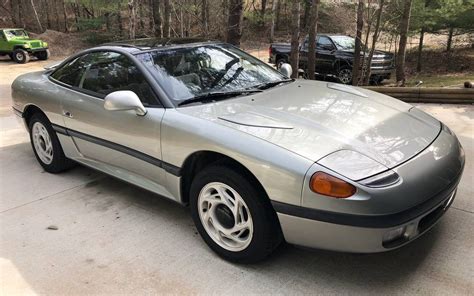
(345, 76)
(225, 216)
(42, 143)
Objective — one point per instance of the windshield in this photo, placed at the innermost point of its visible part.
(344, 42)
(190, 72)
(16, 34)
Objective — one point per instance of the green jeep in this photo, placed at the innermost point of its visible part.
(18, 46)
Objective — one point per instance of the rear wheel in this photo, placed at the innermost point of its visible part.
(21, 56)
(232, 215)
(43, 55)
(46, 146)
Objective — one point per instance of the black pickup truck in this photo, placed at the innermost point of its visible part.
(334, 56)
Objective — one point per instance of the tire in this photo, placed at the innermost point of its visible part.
(253, 242)
(40, 129)
(344, 75)
(280, 62)
(43, 55)
(21, 56)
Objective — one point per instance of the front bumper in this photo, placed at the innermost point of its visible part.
(319, 234)
(33, 50)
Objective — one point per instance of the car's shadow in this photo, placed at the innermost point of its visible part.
(375, 269)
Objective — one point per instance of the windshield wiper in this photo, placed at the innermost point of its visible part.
(272, 83)
(214, 96)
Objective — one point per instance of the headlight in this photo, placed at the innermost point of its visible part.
(351, 164)
(45, 44)
(26, 45)
(328, 185)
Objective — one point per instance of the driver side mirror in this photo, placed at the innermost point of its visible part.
(123, 100)
(286, 69)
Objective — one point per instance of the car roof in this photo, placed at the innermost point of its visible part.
(145, 44)
(4, 29)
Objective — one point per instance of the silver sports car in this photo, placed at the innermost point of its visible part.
(258, 157)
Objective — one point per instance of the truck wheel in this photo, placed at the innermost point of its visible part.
(280, 62)
(345, 75)
(43, 55)
(21, 56)
(232, 216)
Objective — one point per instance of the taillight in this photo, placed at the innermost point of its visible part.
(328, 185)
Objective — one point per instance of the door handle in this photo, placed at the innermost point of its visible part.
(67, 114)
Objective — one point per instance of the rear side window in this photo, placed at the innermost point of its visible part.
(106, 72)
(70, 73)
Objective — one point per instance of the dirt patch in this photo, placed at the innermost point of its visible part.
(61, 44)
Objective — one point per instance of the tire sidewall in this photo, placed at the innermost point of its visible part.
(58, 163)
(263, 227)
(24, 54)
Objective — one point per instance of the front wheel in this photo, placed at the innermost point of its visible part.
(232, 216)
(43, 55)
(345, 75)
(21, 56)
(46, 146)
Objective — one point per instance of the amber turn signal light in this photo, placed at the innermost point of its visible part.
(328, 185)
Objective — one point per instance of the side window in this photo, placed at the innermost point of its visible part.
(71, 72)
(324, 43)
(106, 72)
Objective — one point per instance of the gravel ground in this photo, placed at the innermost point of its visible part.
(82, 232)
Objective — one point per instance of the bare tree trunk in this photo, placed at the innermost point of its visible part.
(36, 16)
(307, 12)
(295, 37)
(66, 27)
(313, 29)
(375, 37)
(205, 17)
(157, 18)
(48, 15)
(404, 24)
(272, 27)
(141, 15)
(420, 50)
(360, 27)
(131, 19)
(167, 19)
(13, 13)
(234, 29)
(119, 18)
(450, 39)
(262, 11)
(56, 15)
(278, 14)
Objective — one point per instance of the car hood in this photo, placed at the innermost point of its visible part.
(314, 119)
(25, 40)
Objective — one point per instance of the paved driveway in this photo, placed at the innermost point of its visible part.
(114, 238)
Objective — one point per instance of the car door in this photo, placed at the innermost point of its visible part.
(324, 55)
(3, 43)
(120, 142)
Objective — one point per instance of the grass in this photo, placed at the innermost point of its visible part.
(439, 80)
